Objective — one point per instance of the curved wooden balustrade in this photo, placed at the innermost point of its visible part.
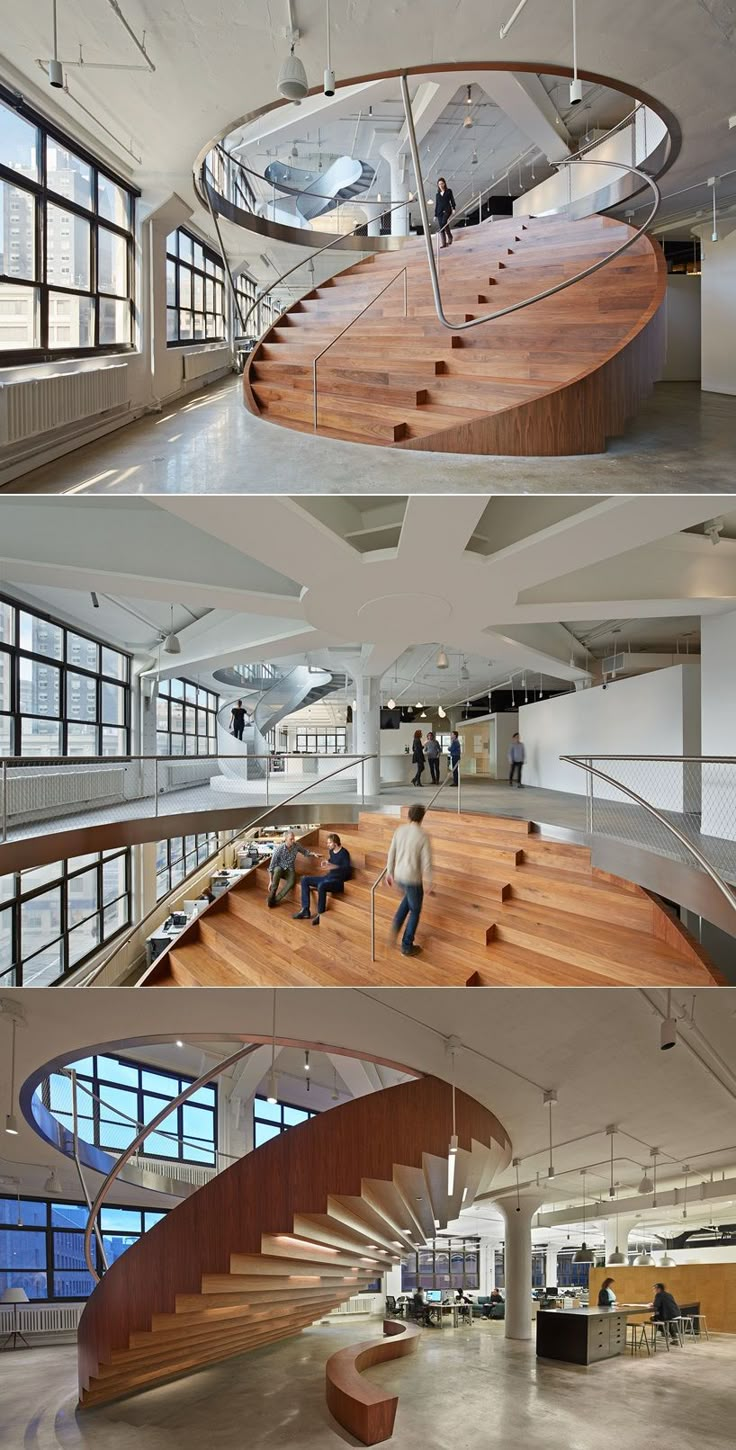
(363, 1409)
(509, 908)
(285, 1235)
(559, 376)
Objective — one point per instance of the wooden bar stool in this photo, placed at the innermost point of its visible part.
(702, 1324)
(639, 1336)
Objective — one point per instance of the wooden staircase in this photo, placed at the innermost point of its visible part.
(284, 1236)
(557, 377)
(509, 908)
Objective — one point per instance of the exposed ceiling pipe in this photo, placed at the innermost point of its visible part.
(503, 32)
(139, 44)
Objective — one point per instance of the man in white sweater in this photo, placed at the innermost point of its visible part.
(410, 866)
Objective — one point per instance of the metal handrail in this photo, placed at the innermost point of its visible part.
(585, 763)
(136, 1122)
(278, 806)
(139, 1138)
(549, 291)
(347, 328)
(451, 771)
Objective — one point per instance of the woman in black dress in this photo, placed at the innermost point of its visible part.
(417, 755)
(444, 206)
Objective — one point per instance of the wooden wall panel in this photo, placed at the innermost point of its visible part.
(360, 1407)
(713, 1284)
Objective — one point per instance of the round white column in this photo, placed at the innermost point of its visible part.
(368, 732)
(550, 1267)
(374, 211)
(399, 191)
(517, 1215)
(618, 1239)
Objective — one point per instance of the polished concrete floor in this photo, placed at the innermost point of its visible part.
(462, 1390)
(683, 440)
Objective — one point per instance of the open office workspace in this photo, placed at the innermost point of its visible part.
(312, 1211)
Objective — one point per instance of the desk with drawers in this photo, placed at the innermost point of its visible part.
(580, 1336)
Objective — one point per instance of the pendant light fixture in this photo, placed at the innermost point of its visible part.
(584, 1255)
(441, 712)
(649, 1185)
(576, 85)
(391, 704)
(617, 1257)
(335, 1093)
(272, 1093)
(550, 1098)
(292, 83)
(11, 1122)
(667, 1261)
(172, 644)
(452, 1046)
(686, 1171)
(52, 1184)
(329, 77)
(307, 1069)
(442, 661)
(611, 1131)
(644, 1259)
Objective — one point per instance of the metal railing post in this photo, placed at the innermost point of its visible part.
(459, 783)
(362, 782)
(155, 786)
(588, 801)
(78, 1162)
(406, 293)
(4, 835)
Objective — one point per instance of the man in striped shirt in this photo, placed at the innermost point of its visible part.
(283, 868)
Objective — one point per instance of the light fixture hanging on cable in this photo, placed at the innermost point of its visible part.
(292, 83)
(611, 1131)
(686, 1171)
(617, 1257)
(307, 1068)
(584, 1255)
(391, 704)
(550, 1098)
(172, 643)
(442, 660)
(329, 77)
(13, 1011)
(441, 712)
(576, 85)
(647, 1185)
(644, 1259)
(272, 1092)
(452, 1046)
(52, 1184)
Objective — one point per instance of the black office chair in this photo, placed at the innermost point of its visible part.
(391, 1305)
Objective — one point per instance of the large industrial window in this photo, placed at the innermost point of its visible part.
(186, 719)
(52, 918)
(263, 315)
(445, 1264)
(61, 692)
(195, 291)
(322, 742)
(121, 1095)
(42, 1245)
(178, 857)
(270, 1119)
(66, 243)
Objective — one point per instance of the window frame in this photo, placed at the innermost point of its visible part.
(49, 1229)
(466, 1245)
(19, 899)
(307, 741)
(206, 841)
(16, 652)
(281, 1125)
(164, 694)
(44, 195)
(211, 255)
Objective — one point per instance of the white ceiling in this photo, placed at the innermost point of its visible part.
(509, 589)
(599, 1050)
(217, 60)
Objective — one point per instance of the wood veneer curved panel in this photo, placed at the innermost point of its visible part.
(360, 1407)
(283, 1236)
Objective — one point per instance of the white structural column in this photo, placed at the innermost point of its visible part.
(617, 1234)
(518, 1213)
(399, 190)
(374, 211)
(368, 731)
(550, 1267)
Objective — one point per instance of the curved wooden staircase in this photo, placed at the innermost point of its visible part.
(558, 377)
(285, 1235)
(509, 908)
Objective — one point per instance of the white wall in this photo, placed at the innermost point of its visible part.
(648, 714)
(718, 714)
(682, 312)
(718, 310)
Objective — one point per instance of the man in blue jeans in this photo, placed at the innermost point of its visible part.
(410, 866)
(338, 870)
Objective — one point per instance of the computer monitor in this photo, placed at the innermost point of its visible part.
(434, 1296)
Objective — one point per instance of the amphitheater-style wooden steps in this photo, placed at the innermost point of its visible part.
(284, 1236)
(509, 907)
(560, 376)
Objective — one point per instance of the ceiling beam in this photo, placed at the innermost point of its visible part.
(524, 101)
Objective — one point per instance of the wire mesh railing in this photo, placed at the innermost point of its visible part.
(678, 806)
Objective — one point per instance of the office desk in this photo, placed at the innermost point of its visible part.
(581, 1336)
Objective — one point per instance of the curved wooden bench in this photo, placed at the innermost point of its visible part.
(363, 1409)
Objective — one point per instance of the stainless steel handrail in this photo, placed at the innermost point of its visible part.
(465, 326)
(78, 1086)
(585, 763)
(347, 328)
(379, 879)
(139, 1138)
(278, 806)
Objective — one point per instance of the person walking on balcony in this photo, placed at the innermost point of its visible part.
(237, 720)
(282, 868)
(417, 756)
(444, 206)
(455, 753)
(409, 864)
(517, 756)
(433, 752)
(338, 869)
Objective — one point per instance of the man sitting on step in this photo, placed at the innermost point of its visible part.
(338, 870)
(282, 868)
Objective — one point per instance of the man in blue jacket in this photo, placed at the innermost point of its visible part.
(455, 753)
(338, 870)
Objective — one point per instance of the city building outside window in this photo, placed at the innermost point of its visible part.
(271, 1119)
(62, 692)
(124, 1093)
(186, 719)
(53, 918)
(66, 243)
(179, 857)
(445, 1264)
(42, 1245)
(195, 291)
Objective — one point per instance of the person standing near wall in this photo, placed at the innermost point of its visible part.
(417, 756)
(455, 753)
(433, 752)
(517, 756)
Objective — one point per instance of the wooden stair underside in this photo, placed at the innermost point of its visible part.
(509, 908)
(212, 1279)
(560, 376)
